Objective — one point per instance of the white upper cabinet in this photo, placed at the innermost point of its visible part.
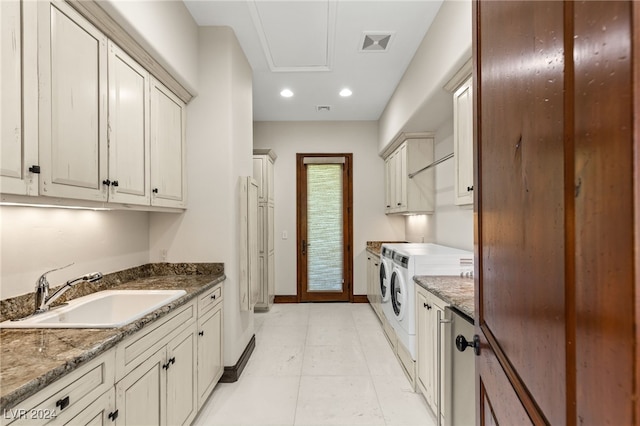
(18, 152)
(73, 101)
(168, 177)
(408, 188)
(128, 179)
(463, 142)
(81, 120)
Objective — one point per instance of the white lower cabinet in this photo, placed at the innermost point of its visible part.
(161, 375)
(427, 309)
(373, 287)
(210, 364)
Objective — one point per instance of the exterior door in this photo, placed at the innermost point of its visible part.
(324, 227)
(554, 148)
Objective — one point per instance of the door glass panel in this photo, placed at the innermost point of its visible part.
(324, 227)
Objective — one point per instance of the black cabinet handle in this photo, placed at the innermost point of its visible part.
(63, 403)
(201, 333)
(172, 360)
(213, 296)
(113, 416)
(388, 206)
(399, 204)
(426, 305)
(469, 188)
(462, 343)
(35, 169)
(106, 182)
(154, 190)
(114, 183)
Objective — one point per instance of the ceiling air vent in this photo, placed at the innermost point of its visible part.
(323, 108)
(375, 42)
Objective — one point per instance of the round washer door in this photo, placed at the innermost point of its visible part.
(398, 294)
(384, 281)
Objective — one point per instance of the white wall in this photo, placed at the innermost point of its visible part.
(219, 151)
(419, 102)
(369, 220)
(449, 225)
(35, 240)
(166, 30)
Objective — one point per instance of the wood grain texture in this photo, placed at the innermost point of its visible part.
(521, 240)
(604, 217)
(636, 126)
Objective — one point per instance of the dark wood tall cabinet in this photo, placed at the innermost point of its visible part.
(557, 221)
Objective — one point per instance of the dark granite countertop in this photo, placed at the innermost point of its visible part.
(457, 291)
(31, 359)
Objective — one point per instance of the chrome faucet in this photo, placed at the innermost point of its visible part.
(44, 301)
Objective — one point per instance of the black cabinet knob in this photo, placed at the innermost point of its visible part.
(154, 190)
(462, 343)
(428, 306)
(113, 416)
(106, 182)
(469, 188)
(201, 333)
(114, 183)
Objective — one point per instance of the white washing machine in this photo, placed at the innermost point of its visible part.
(419, 259)
(386, 268)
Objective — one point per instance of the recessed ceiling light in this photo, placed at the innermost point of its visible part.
(286, 93)
(345, 92)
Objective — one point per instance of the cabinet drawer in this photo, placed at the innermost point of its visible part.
(67, 396)
(209, 299)
(137, 348)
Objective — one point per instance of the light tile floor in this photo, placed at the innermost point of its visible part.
(318, 364)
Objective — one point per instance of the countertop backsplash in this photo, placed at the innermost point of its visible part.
(21, 306)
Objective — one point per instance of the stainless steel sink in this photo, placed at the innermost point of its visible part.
(104, 309)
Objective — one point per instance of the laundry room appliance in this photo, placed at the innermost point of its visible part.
(386, 268)
(418, 259)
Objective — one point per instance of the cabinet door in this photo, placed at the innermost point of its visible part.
(73, 101)
(270, 186)
(141, 396)
(168, 179)
(181, 377)
(209, 354)
(426, 354)
(259, 175)
(463, 143)
(128, 129)
(14, 176)
(388, 185)
(401, 178)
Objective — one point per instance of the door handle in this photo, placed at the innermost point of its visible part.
(462, 343)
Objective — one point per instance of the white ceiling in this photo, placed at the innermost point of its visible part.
(313, 47)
